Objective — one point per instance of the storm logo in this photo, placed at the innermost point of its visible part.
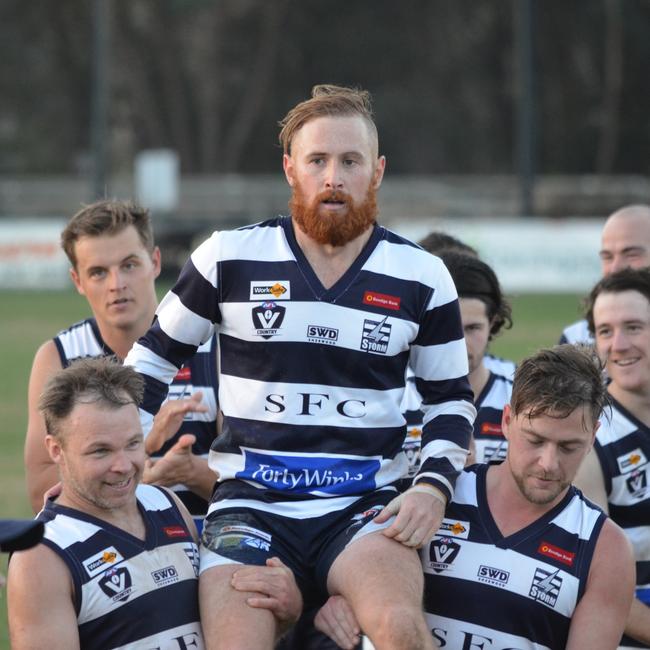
(375, 336)
(546, 586)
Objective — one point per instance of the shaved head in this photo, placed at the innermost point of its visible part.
(626, 239)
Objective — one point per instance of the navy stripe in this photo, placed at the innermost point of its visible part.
(111, 631)
(439, 392)
(197, 294)
(165, 346)
(393, 238)
(154, 394)
(440, 325)
(630, 516)
(256, 434)
(310, 363)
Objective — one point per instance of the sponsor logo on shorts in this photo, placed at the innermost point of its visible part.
(631, 461)
(101, 561)
(116, 584)
(245, 530)
(267, 319)
(557, 553)
(318, 475)
(637, 484)
(442, 552)
(381, 300)
(545, 587)
(455, 528)
(175, 531)
(165, 576)
(491, 429)
(322, 334)
(375, 336)
(493, 576)
(235, 537)
(274, 290)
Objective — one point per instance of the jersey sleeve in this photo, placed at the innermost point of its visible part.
(439, 362)
(185, 319)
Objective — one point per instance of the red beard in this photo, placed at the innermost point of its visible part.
(331, 228)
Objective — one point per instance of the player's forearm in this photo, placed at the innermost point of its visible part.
(638, 622)
(203, 478)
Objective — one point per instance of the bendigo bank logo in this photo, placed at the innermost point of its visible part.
(267, 319)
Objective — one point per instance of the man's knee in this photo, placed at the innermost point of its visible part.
(399, 626)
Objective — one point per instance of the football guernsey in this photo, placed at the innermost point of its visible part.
(311, 379)
(577, 332)
(488, 436)
(84, 339)
(623, 449)
(486, 590)
(128, 592)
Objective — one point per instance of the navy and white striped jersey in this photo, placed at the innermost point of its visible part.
(128, 592)
(623, 448)
(83, 339)
(488, 436)
(499, 366)
(577, 332)
(520, 591)
(311, 379)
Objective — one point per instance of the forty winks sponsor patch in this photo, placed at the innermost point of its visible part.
(327, 475)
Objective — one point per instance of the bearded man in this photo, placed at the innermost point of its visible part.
(318, 315)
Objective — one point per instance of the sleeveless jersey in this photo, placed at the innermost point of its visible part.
(517, 592)
(623, 448)
(311, 378)
(83, 339)
(490, 443)
(577, 332)
(130, 593)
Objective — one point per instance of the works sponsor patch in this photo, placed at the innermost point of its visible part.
(270, 290)
(631, 461)
(101, 561)
(455, 527)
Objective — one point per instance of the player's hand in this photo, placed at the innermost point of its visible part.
(176, 466)
(275, 587)
(336, 619)
(169, 418)
(419, 514)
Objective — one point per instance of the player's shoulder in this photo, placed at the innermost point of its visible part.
(577, 332)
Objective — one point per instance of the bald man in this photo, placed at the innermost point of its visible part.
(625, 243)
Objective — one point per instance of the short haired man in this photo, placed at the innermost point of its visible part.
(615, 475)
(118, 564)
(318, 315)
(522, 559)
(625, 242)
(114, 264)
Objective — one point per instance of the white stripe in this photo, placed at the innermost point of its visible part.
(440, 362)
(578, 511)
(149, 363)
(457, 632)
(181, 323)
(65, 531)
(292, 509)
(287, 404)
(190, 633)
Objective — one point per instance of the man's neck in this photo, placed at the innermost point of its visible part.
(637, 403)
(328, 262)
(127, 518)
(509, 508)
(121, 340)
(478, 379)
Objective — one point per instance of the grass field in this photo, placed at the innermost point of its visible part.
(29, 318)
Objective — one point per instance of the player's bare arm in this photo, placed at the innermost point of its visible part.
(40, 471)
(600, 616)
(40, 602)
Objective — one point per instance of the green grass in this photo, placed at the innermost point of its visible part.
(29, 318)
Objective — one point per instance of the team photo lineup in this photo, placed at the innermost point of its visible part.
(307, 444)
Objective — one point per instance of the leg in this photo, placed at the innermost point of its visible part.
(228, 622)
(383, 582)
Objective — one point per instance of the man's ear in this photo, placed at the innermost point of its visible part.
(54, 448)
(506, 418)
(74, 276)
(289, 171)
